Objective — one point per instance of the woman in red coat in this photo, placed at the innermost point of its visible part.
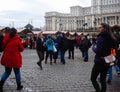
(11, 57)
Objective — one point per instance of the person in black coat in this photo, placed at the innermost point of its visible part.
(105, 41)
(84, 46)
(71, 44)
(40, 48)
(63, 46)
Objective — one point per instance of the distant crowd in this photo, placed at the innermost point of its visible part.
(54, 46)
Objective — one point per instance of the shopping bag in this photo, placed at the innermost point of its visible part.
(54, 48)
(110, 59)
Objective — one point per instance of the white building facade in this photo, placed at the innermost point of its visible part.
(83, 18)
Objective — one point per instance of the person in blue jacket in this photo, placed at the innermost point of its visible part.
(49, 44)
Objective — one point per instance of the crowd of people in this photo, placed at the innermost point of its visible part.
(11, 45)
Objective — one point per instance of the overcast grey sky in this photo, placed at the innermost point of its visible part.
(21, 12)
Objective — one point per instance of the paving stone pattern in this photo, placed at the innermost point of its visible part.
(74, 76)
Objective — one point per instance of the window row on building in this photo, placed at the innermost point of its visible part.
(81, 18)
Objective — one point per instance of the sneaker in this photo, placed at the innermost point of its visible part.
(20, 87)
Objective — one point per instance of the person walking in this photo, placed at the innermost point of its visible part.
(84, 46)
(11, 58)
(105, 41)
(71, 45)
(63, 46)
(49, 44)
(40, 48)
(116, 28)
(55, 51)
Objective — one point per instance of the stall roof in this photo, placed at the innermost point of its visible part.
(49, 32)
(20, 29)
(72, 33)
(1, 27)
(36, 32)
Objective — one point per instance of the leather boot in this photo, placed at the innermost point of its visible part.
(1, 86)
(19, 86)
(39, 64)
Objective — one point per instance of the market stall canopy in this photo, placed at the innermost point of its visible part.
(36, 32)
(49, 32)
(20, 29)
(1, 27)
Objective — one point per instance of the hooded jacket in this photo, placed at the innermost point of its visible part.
(11, 56)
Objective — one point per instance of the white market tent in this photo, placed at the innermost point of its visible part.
(46, 32)
(20, 29)
(36, 32)
(49, 32)
(1, 27)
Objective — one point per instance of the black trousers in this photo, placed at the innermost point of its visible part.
(102, 70)
(49, 53)
(40, 55)
(71, 53)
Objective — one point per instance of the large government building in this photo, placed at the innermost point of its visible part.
(84, 18)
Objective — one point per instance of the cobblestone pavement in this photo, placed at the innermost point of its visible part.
(74, 76)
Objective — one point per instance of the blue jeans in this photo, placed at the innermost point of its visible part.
(86, 55)
(116, 66)
(8, 72)
(63, 56)
(110, 73)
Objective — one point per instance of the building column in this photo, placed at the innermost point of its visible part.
(115, 19)
(80, 24)
(106, 20)
(101, 19)
(119, 19)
